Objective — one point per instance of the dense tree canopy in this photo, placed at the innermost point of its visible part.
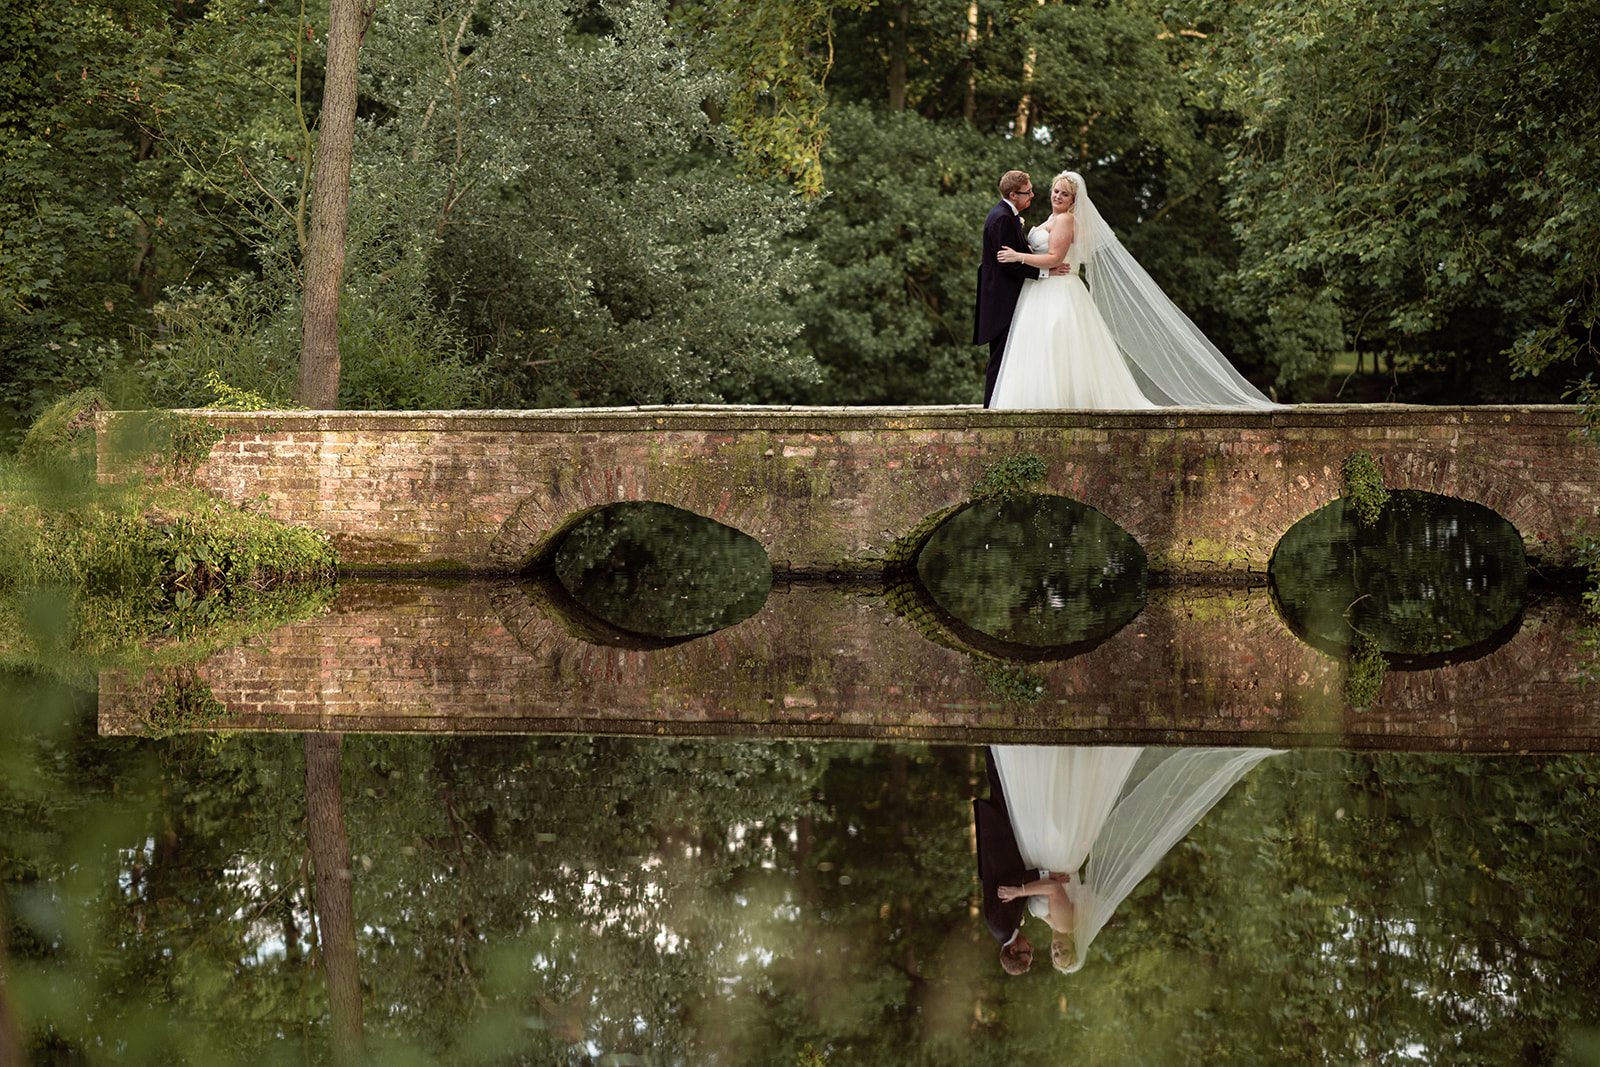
(604, 202)
(1428, 170)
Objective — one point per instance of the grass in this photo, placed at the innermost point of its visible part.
(150, 572)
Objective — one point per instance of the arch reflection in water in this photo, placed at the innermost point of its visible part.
(1434, 579)
(656, 570)
(1035, 570)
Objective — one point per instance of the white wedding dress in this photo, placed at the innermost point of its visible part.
(1117, 342)
(1059, 353)
(1107, 815)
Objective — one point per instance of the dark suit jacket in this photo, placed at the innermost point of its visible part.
(999, 860)
(999, 284)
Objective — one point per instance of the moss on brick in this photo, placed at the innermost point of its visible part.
(862, 480)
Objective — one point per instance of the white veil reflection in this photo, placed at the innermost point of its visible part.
(1106, 816)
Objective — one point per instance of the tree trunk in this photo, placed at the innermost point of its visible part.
(1025, 105)
(969, 106)
(336, 913)
(897, 59)
(318, 386)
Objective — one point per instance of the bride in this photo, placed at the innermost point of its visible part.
(1099, 819)
(1118, 343)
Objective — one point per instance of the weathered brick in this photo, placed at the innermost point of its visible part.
(811, 479)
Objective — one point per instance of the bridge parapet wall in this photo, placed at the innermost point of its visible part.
(834, 489)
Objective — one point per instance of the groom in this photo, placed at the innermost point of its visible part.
(1000, 863)
(999, 284)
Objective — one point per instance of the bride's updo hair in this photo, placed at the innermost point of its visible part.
(1074, 177)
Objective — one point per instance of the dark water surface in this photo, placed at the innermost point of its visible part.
(654, 571)
(1432, 579)
(1414, 878)
(1037, 571)
(561, 900)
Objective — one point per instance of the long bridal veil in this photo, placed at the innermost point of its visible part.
(1176, 364)
(1167, 792)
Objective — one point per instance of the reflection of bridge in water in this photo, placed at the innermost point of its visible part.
(1212, 666)
(842, 489)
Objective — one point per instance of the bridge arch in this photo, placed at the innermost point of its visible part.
(836, 489)
(545, 516)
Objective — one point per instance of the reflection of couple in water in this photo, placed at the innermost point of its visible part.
(1067, 832)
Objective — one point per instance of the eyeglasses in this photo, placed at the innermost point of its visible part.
(1025, 192)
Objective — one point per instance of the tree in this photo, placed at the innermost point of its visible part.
(336, 916)
(1420, 170)
(96, 214)
(592, 235)
(889, 313)
(330, 211)
(779, 56)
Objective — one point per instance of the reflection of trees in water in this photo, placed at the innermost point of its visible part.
(1035, 570)
(1432, 575)
(523, 899)
(657, 570)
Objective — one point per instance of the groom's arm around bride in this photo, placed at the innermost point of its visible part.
(999, 284)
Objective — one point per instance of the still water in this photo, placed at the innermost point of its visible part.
(564, 899)
(1392, 883)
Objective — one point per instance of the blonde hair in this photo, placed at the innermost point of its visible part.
(1064, 952)
(1074, 177)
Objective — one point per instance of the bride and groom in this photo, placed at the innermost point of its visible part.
(1068, 832)
(1055, 342)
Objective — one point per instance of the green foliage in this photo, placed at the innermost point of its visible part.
(1363, 673)
(1363, 486)
(564, 204)
(656, 570)
(1423, 168)
(126, 568)
(397, 349)
(97, 214)
(1588, 561)
(216, 334)
(227, 398)
(63, 436)
(184, 704)
(1021, 472)
(1586, 394)
(1011, 682)
(191, 440)
(1034, 570)
(774, 102)
(550, 899)
(593, 239)
(1433, 580)
(888, 315)
(94, 571)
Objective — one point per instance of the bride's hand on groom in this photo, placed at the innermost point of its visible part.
(1009, 892)
(1007, 255)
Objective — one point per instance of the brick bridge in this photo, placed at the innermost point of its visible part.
(842, 490)
(1201, 665)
